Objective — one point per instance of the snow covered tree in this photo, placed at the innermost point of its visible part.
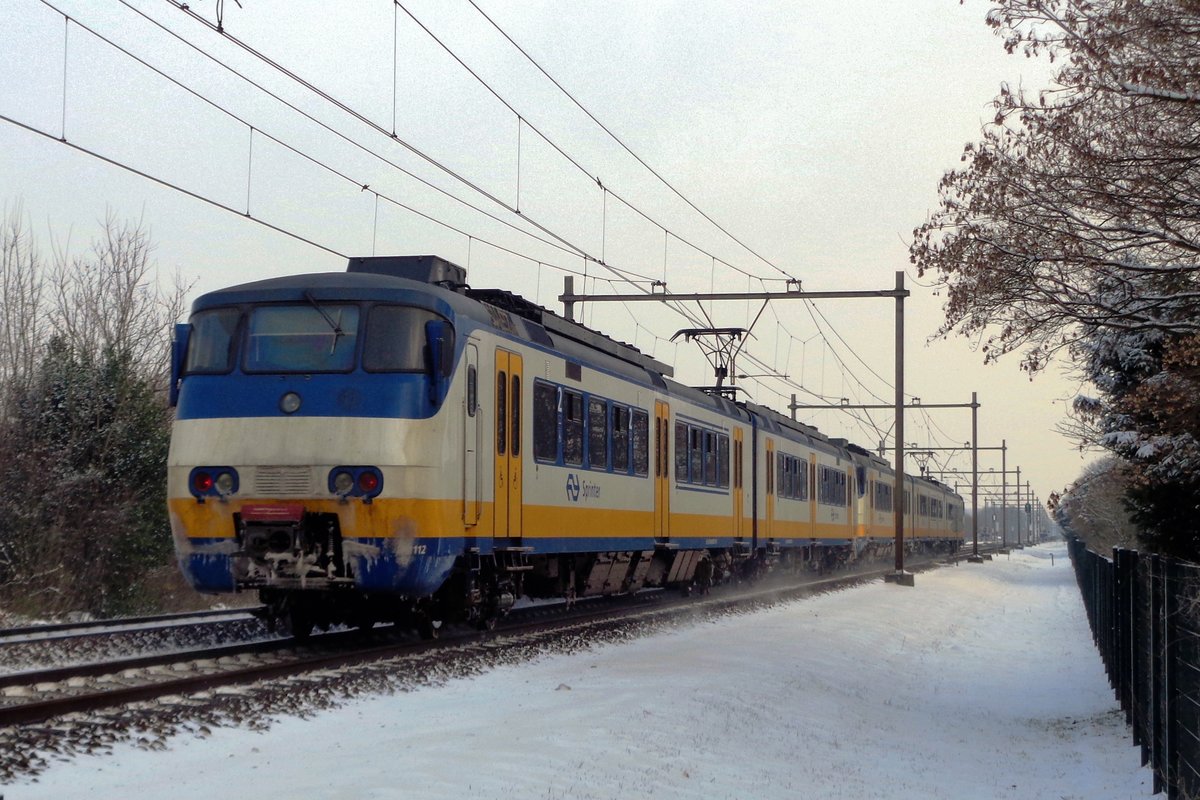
(1073, 227)
(84, 431)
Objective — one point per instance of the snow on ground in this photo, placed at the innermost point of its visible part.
(980, 682)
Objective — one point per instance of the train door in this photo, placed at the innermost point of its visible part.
(662, 471)
(769, 522)
(471, 438)
(738, 495)
(508, 504)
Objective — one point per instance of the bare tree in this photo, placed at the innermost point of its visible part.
(22, 326)
(112, 300)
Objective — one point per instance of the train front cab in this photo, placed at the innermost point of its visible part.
(298, 478)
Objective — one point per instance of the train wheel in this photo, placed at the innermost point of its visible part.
(300, 623)
(428, 628)
(488, 623)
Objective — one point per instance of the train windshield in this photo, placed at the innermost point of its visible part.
(319, 337)
(210, 349)
(396, 339)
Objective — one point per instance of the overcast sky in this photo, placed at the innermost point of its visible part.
(813, 132)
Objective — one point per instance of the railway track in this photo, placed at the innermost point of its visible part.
(61, 645)
(38, 695)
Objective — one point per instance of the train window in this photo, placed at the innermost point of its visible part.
(210, 349)
(710, 458)
(501, 413)
(696, 462)
(597, 433)
(310, 338)
(801, 479)
(545, 421)
(395, 339)
(620, 439)
(572, 428)
(722, 460)
(640, 434)
(681, 452)
(923, 505)
(833, 487)
(779, 470)
(514, 403)
(883, 496)
(472, 390)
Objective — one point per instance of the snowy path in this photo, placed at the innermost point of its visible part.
(982, 682)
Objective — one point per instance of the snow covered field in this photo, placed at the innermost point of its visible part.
(982, 682)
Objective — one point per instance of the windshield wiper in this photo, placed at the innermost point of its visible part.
(334, 326)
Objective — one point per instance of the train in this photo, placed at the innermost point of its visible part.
(389, 444)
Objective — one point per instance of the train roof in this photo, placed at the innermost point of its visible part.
(407, 278)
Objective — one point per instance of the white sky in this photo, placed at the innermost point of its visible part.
(814, 132)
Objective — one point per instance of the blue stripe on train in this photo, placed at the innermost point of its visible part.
(354, 394)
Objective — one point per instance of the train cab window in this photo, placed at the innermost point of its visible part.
(640, 433)
(620, 438)
(572, 428)
(597, 433)
(545, 421)
(722, 460)
(210, 349)
(395, 339)
(681, 452)
(311, 338)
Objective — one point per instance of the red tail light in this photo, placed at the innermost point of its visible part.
(203, 482)
(368, 482)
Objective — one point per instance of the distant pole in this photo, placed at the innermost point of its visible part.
(1004, 494)
(974, 474)
(1020, 538)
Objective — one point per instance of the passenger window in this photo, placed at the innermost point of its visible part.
(681, 452)
(723, 460)
(572, 428)
(641, 442)
(597, 433)
(620, 439)
(697, 460)
(545, 421)
(710, 459)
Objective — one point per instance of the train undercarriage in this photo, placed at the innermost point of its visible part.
(483, 588)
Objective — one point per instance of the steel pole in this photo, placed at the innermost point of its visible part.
(1004, 493)
(974, 474)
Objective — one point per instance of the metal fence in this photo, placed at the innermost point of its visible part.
(1144, 612)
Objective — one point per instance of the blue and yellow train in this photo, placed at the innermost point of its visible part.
(389, 444)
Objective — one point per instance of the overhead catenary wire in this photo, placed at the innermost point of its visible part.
(628, 277)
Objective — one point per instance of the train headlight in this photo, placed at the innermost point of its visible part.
(212, 482)
(364, 482)
(289, 403)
